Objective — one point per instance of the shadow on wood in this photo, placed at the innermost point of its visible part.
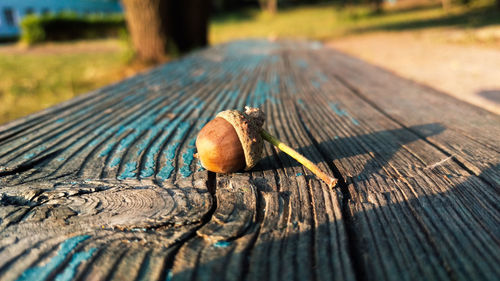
(492, 95)
(400, 137)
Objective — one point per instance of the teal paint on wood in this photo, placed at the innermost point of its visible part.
(181, 131)
(170, 275)
(70, 271)
(150, 165)
(34, 152)
(41, 272)
(154, 150)
(342, 113)
(222, 244)
(187, 157)
(264, 91)
(129, 171)
(29, 156)
(167, 170)
(301, 103)
(154, 130)
(107, 150)
(115, 162)
(131, 166)
(321, 76)
(171, 151)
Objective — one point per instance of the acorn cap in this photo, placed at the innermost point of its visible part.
(247, 125)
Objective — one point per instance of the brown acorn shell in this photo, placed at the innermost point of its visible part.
(219, 147)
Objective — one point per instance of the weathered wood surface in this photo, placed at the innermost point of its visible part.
(105, 187)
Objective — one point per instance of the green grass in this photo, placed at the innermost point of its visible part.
(328, 21)
(31, 82)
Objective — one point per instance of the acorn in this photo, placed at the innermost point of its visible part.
(233, 141)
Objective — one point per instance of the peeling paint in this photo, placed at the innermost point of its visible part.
(222, 244)
(29, 156)
(167, 170)
(129, 171)
(188, 158)
(70, 271)
(43, 271)
(115, 162)
(170, 275)
(342, 113)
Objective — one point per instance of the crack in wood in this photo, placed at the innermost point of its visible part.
(259, 217)
(355, 252)
(26, 166)
(211, 184)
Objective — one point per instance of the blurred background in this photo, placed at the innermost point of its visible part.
(53, 50)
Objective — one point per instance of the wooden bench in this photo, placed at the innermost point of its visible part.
(105, 186)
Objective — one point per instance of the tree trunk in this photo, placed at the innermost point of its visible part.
(190, 23)
(270, 6)
(446, 5)
(378, 6)
(158, 27)
(147, 24)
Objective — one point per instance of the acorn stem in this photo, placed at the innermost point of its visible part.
(330, 181)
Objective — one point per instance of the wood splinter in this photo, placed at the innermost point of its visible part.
(234, 140)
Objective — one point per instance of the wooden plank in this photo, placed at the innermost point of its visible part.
(394, 176)
(106, 186)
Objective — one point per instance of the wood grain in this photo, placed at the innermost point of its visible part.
(105, 187)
